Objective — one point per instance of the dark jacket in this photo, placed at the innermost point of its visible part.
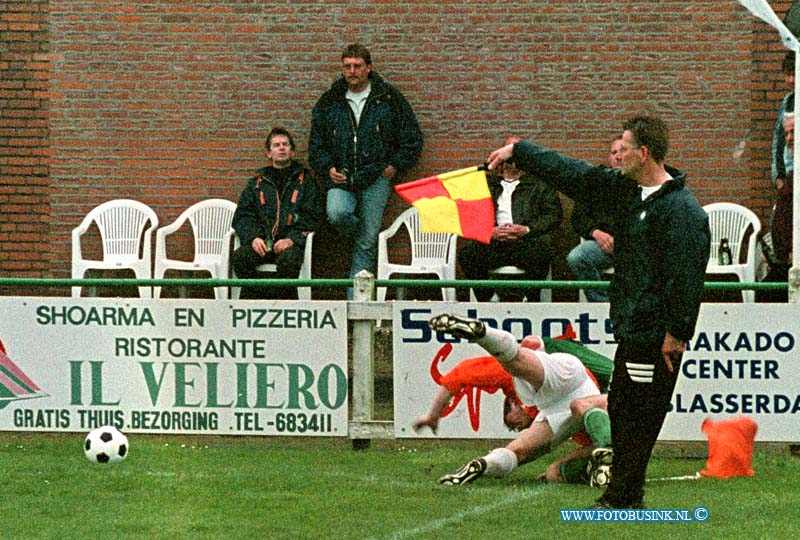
(586, 219)
(534, 203)
(265, 213)
(660, 249)
(387, 134)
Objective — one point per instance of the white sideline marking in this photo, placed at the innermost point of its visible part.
(695, 476)
(472, 512)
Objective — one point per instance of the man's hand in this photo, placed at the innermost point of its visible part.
(604, 240)
(509, 231)
(552, 473)
(282, 244)
(336, 177)
(259, 246)
(426, 420)
(389, 172)
(672, 349)
(499, 156)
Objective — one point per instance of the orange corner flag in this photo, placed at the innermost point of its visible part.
(730, 447)
(457, 202)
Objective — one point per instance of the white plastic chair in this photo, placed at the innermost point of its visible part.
(303, 293)
(431, 253)
(125, 229)
(732, 221)
(211, 225)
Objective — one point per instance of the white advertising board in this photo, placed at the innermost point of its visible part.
(743, 360)
(174, 366)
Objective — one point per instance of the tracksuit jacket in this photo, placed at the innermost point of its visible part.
(659, 266)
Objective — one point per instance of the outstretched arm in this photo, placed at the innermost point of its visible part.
(431, 419)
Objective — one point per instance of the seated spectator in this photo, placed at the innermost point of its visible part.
(277, 210)
(527, 213)
(589, 259)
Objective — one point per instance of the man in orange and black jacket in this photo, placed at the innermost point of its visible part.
(276, 212)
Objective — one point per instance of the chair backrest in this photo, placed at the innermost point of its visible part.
(425, 247)
(121, 223)
(211, 224)
(732, 221)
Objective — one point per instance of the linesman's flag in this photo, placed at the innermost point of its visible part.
(457, 202)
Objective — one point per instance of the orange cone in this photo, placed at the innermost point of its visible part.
(730, 447)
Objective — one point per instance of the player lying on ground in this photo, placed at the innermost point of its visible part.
(557, 384)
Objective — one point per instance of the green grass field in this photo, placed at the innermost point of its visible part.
(173, 487)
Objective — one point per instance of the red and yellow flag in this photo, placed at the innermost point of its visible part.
(457, 202)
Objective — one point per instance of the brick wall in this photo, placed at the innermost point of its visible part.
(169, 102)
(24, 145)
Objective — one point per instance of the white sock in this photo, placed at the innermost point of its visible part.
(500, 344)
(500, 462)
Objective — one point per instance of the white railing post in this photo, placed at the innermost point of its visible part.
(363, 359)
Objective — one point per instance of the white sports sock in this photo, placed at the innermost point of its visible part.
(500, 344)
(500, 462)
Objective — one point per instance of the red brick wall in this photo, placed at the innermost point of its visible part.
(169, 102)
(25, 72)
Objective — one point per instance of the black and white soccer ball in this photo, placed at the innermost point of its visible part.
(600, 476)
(106, 444)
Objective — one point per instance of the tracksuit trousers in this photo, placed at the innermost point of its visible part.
(638, 401)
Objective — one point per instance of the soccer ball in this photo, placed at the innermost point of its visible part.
(106, 444)
(600, 476)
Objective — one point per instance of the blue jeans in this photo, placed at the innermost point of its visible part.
(587, 260)
(358, 216)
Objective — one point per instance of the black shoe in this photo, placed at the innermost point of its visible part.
(460, 327)
(466, 474)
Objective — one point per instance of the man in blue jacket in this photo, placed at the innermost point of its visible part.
(363, 134)
(661, 250)
(276, 212)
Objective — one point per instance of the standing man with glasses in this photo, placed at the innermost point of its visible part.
(363, 135)
(661, 250)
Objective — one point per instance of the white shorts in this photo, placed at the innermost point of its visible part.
(565, 379)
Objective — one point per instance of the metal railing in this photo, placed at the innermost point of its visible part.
(345, 283)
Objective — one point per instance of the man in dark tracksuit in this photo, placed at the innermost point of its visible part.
(661, 251)
(276, 211)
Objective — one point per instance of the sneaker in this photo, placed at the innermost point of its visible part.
(466, 474)
(459, 327)
(600, 467)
